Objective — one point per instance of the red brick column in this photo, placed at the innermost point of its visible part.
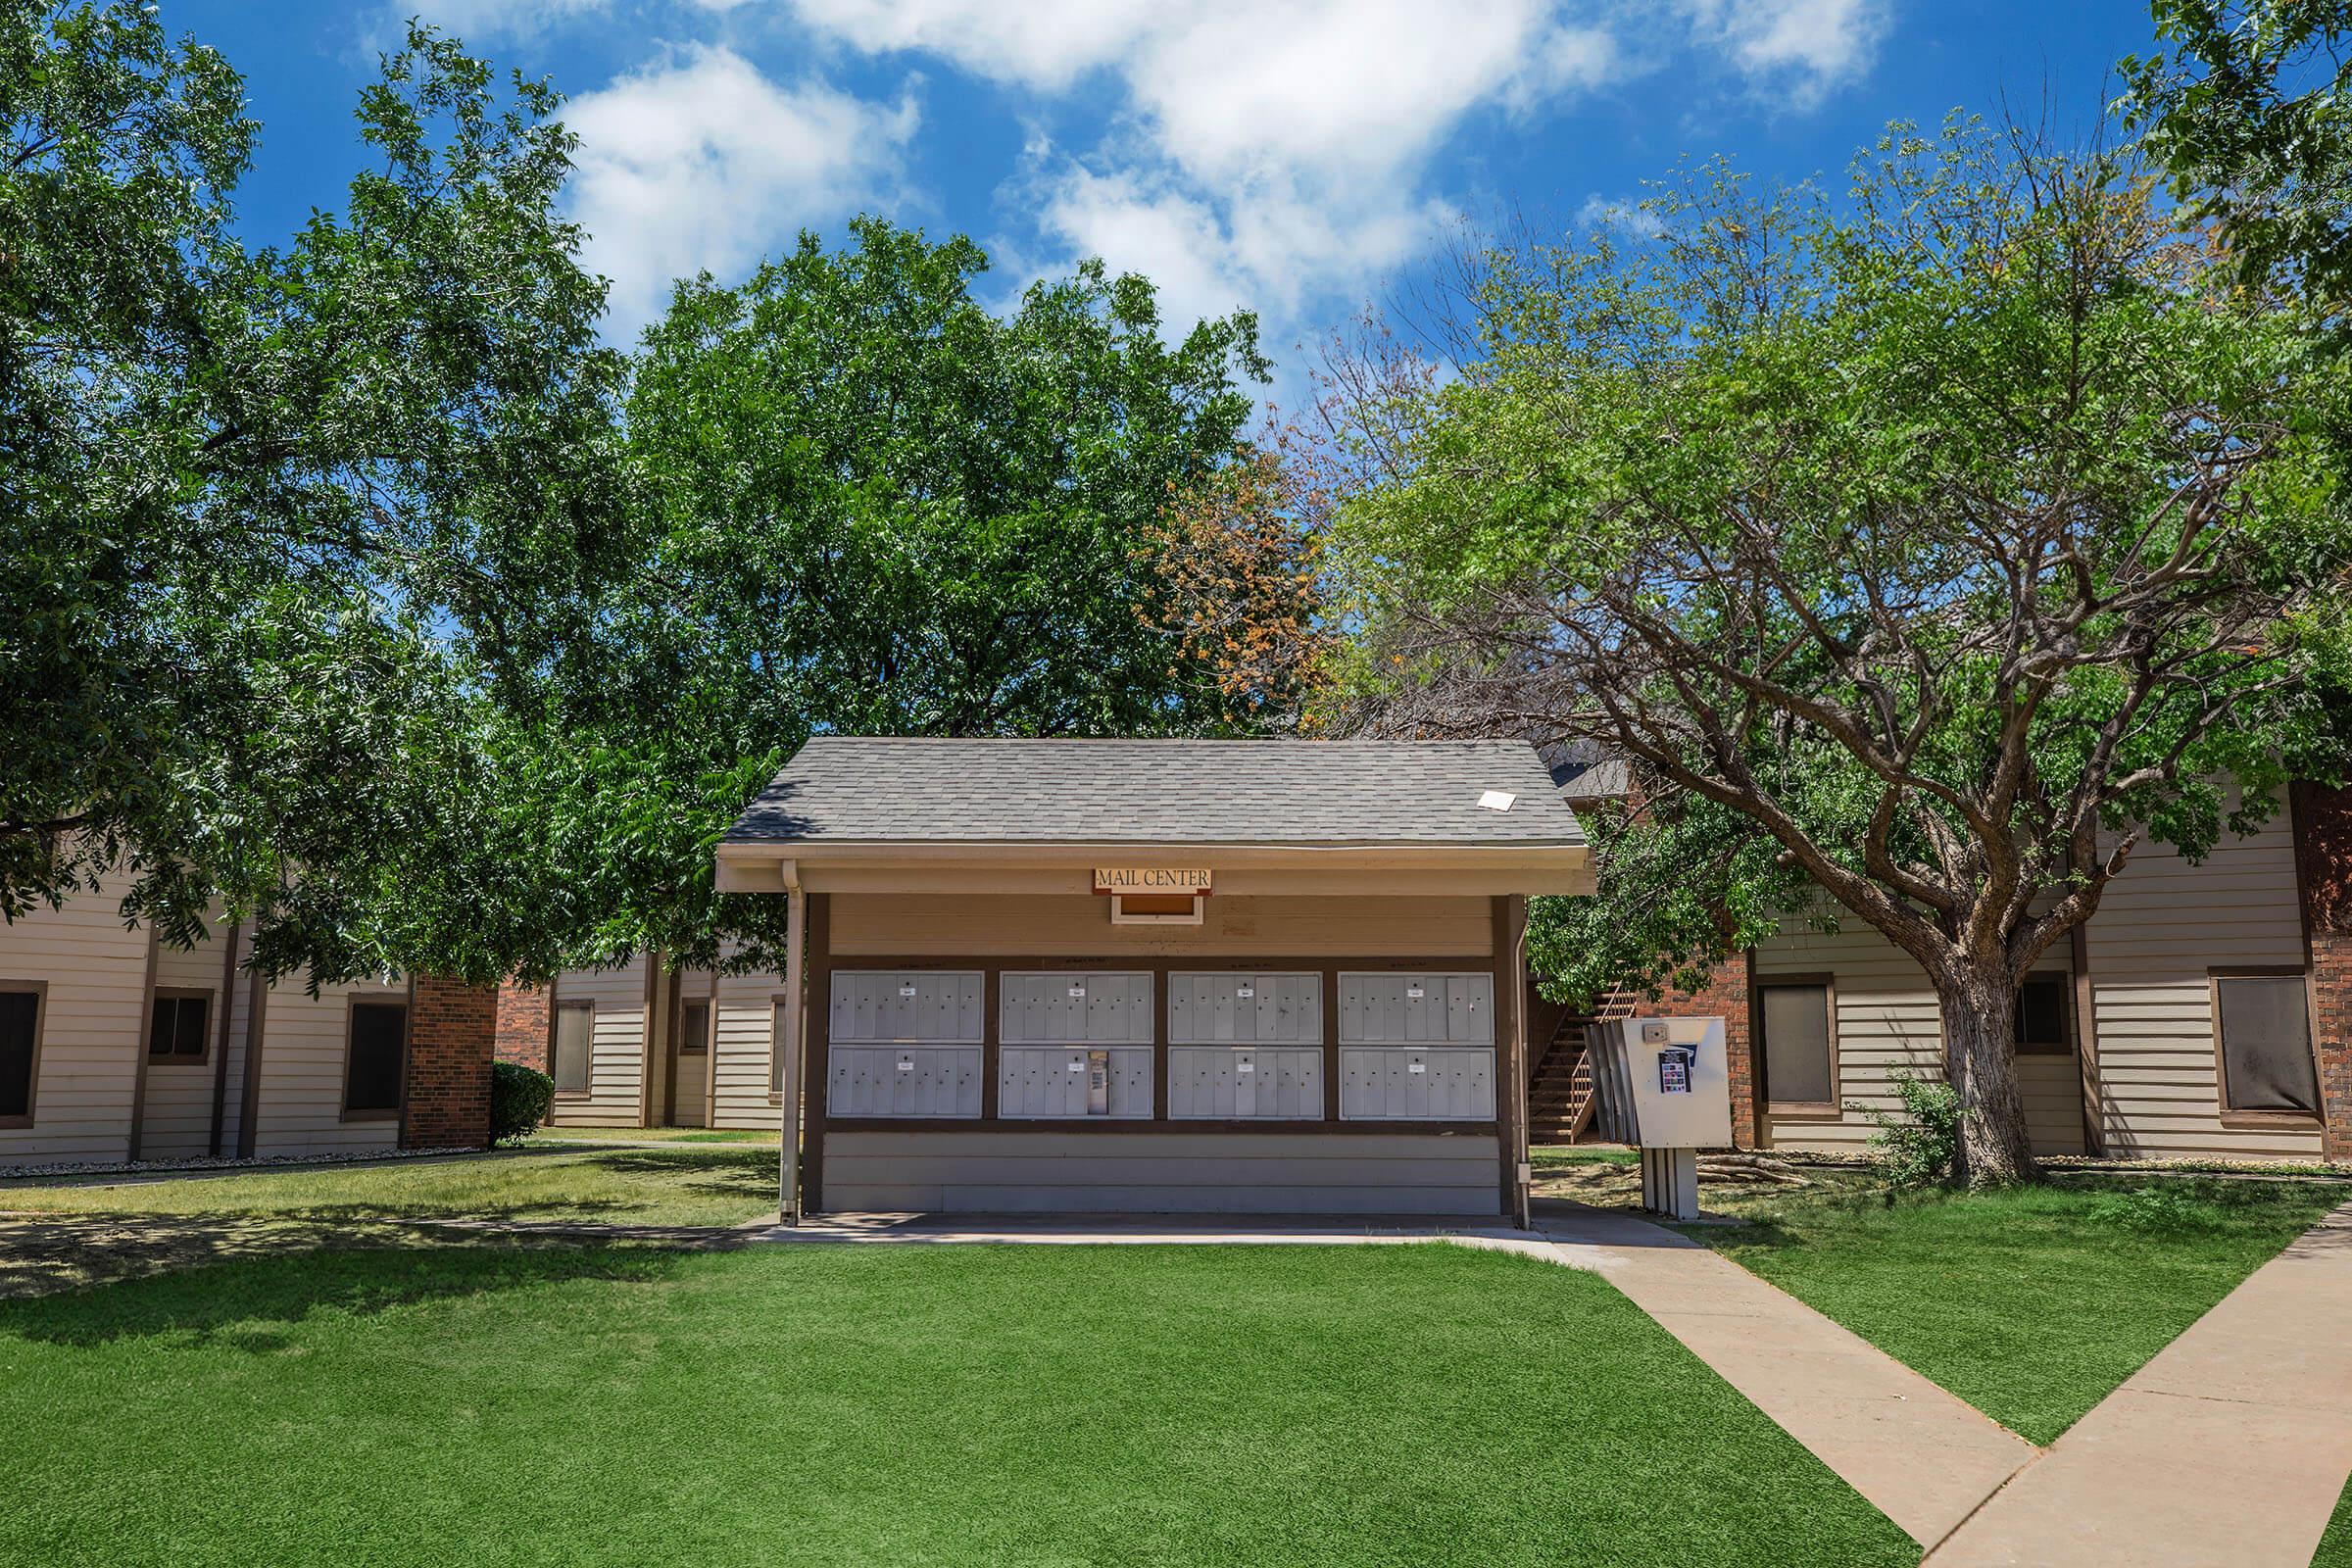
(2323, 873)
(1725, 997)
(523, 1024)
(450, 1026)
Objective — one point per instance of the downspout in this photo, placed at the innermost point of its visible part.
(228, 1008)
(796, 931)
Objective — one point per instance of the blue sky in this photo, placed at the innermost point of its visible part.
(1297, 157)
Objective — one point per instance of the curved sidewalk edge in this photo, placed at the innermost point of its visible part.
(1922, 1456)
(2230, 1446)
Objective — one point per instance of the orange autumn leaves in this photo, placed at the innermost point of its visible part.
(1237, 585)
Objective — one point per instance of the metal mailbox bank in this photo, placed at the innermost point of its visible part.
(1156, 976)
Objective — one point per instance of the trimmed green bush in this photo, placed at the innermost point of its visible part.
(1920, 1145)
(519, 1099)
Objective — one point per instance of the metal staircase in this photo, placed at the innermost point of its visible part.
(1560, 1097)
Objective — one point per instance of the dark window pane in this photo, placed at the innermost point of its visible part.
(574, 1028)
(188, 1035)
(159, 1026)
(377, 1029)
(694, 1029)
(2042, 1016)
(1796, 1044)
(20, 1021)
(2266, 1045)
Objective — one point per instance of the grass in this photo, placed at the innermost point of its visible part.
(2335, 1547)
(821, 1404)
(622, 1186)
(658, 1135)
(2031, 1304)
(66, 1235)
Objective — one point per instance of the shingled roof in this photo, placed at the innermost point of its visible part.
(857, 790)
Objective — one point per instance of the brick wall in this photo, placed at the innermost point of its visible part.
(523, 1024)
(1724, 997)
(2323, 869)
(450, 1033)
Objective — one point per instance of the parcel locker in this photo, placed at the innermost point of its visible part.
(904, 1081)
(1246, 1083)
(935, 1007)
(1416, 1083)
(1074, 1081)
(1221, 1007)
(1065, 1007)
(1417, 1008)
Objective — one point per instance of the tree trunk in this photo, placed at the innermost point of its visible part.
(1980, 1058)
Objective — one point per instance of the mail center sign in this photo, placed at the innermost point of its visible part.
(1177, 879)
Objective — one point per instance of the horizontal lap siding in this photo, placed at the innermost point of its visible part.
(743, 1033)
(1886, 1018)
(92, 1025)
(176, 1117)
(973, 925)
(616, 1057)
(305, 1052)
(2162, 926)
(1168, 1173)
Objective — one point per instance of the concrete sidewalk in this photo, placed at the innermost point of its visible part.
(2230, 1446)
(1922, 1456)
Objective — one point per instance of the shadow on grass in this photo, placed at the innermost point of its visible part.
(250, 1304)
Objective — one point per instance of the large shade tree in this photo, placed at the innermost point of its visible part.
(869, 500)
(1926, 552)
(274, 523)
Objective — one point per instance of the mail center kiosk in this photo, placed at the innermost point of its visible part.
(1156, 976)
(1664, 1086)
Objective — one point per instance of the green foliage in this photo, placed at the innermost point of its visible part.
(2249, 115)
(519, 1099)
(1918, 1145)
(279, 522)
(868, 504)
(2154, 1211)
(1940, 544)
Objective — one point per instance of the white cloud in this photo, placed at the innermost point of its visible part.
(1037, 43)
(1803, 47)
(1625, 217)
(702, 162)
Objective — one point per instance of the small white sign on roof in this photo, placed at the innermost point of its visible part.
(1497, 799)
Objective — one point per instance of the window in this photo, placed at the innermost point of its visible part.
(1800, 1051)
(20, 1050)
(2041, 1010)
(1155, 908)
(176, 1028)
(694, 1029)
(575, 1035)
(775, 1049)
(379, 1032)
(2265, 1030)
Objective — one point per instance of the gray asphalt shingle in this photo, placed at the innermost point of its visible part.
(850, 789)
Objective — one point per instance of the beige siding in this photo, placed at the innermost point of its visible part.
(615, 1095)
(91, 1026)
(2161, 928)
(742, 1043)
(1887, 1019)
(176, 1116)
(1045, 925)
(305, 1052)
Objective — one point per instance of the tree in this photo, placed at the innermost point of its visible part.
(869, 504)
(275, 524)
(2249, 115)
(1946, 545)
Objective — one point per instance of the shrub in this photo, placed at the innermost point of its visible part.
(1919, 1146)
(519, 1099)
(2152, 1212)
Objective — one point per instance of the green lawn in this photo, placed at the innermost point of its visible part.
(631, 1185)
(942, 1406)
(2032, 1305)
(2335, 1549)
(658, 1135)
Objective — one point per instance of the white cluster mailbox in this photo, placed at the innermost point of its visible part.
(1664, 1085)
